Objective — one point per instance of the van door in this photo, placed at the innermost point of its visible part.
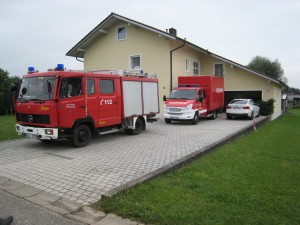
(71, 104)
(203, 107)
(109, 102)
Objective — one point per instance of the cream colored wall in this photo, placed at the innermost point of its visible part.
(179, 62)
(107, 53)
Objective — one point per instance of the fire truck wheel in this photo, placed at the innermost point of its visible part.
(138, 127)
(82, 136)
(214, 115)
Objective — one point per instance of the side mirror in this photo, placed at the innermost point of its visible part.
(200, 99)
(164, 98)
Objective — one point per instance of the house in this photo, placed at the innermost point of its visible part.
(122, 43)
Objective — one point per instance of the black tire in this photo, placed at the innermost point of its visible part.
(138, 127)
(258, 113)
(228, 117)
(214, 115)
(195, 120)
(252, 116)
(167, 120)
(82, 136)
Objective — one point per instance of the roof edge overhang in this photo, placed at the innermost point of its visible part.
(78, 49)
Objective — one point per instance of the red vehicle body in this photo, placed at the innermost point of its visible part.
(75, 105)
(195, 96)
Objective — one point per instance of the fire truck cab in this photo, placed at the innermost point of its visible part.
(72, 104)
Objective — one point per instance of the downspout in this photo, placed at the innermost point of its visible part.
(171, 63)
(79, 59)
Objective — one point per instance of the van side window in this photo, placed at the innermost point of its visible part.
(107, 87)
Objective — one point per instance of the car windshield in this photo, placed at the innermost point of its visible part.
(37, 88)
(183, 94)
(239, 102)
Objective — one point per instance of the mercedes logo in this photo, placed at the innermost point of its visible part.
(30, 118)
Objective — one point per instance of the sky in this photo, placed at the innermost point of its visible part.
(40, 32)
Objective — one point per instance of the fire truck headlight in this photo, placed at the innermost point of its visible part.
(49, 132)
(190, 106)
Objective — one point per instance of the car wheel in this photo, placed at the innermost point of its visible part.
(82, 136)
(229, 117)
(258, 113)
(252, 116)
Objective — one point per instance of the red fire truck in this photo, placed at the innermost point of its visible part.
(195, 96)
(68, 104)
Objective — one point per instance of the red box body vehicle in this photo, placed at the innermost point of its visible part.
(195, 96)
(67, 104)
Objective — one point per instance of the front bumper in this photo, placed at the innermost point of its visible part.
(37, 132)
(182, 114)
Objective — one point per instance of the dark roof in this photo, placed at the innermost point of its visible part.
(78, 50)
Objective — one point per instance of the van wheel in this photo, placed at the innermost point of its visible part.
(195, 120)
(168, 120)
(82, 136)
(138, 127)
(214, 115)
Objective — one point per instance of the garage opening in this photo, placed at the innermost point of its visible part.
(230, 95)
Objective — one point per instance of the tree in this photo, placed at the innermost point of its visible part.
(268, 67)
(5, 94)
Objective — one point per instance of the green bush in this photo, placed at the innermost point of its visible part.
(266, 107)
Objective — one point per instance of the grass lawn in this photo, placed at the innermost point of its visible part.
(253, 180)
(7, 128)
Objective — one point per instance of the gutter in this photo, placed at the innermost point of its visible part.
(171, 63)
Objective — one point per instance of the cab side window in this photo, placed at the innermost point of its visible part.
(107, 87)
(90, 86)
(70, 87)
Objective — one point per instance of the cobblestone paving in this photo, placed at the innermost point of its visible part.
(109, 162)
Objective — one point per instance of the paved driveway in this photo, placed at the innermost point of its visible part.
(112, 162)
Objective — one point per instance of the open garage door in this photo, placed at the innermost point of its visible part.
(230, 95)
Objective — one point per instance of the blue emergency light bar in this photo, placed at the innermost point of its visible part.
(31, 69)
(60, 67)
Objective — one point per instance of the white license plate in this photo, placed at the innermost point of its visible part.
(174, 117)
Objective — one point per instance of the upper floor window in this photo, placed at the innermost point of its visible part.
(121, 33)
(135, 62)
(196, 68)
(187, 65)
(219, 69)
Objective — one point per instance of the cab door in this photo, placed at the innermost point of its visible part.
(109, 102)
(71, 103)
(203, 107)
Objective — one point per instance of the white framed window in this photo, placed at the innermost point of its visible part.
(135, 62)
(121, 33)
(219, 69)
(196, 68)
(187, 65)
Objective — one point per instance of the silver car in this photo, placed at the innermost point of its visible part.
(242, 108)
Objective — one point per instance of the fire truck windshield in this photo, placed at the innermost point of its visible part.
(37, 88)
(183, 94)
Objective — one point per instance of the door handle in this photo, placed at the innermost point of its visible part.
(82, 107)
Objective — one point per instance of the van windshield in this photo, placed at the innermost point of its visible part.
(37, 88)
(183, 94)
